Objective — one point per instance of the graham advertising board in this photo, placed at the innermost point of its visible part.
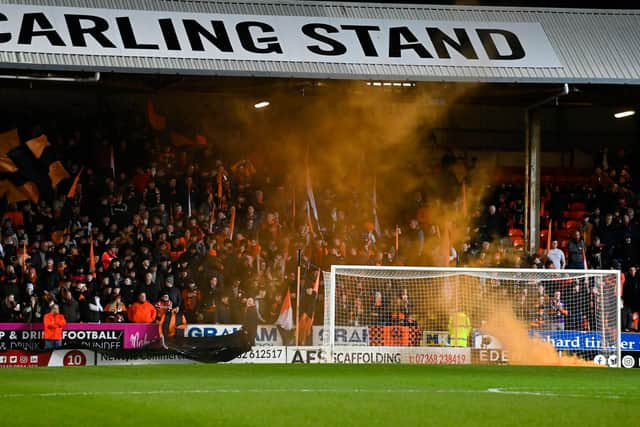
(266, 334)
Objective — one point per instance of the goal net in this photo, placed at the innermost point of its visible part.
(468, 315)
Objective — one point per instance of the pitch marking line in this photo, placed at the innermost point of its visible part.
(542, 393)
(504, 391)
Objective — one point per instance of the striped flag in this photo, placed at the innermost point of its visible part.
(285, 319)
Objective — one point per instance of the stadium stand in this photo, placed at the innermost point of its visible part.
(207, 239)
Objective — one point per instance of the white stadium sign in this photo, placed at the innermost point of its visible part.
(154, 34)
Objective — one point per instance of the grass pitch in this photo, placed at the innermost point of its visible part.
(318, 395)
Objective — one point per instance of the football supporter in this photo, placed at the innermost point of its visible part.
(190, 214)
(54, 324)
(142, 311)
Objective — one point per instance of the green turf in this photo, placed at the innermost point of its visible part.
(315, 395)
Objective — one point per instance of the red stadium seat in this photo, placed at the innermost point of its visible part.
(579, 215)
(577, 206)
(571, 225)
(515, 232)
(518, 242)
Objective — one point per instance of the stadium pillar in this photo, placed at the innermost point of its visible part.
(532, 193)
(532, 179)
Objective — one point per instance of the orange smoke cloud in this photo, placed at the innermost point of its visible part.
(523, 349)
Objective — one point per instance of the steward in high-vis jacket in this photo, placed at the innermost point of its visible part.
(459, 329)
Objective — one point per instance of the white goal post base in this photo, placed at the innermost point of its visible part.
(471, 315)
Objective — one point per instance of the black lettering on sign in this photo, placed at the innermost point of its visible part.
(219, 38)
(4, 37)
(364, 37)
(297, 357)
(489, 44)
(28, 30)
(337, 48)
(169, 34)
(463, 44)
(249, 43)
(77, 32)
(397, 35)
(128, 36)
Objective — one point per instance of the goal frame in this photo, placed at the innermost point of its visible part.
(331, 291)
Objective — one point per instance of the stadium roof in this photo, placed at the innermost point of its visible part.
(351, 40)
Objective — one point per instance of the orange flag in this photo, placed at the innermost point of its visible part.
(232, 222)
(316, 284)
(549, 237)
(180, 140)
(74, 187)
(293, 203)
(201, 140)
(219, 185)
(464, 198)
(24, 256)
(92, 258)
(156, 121)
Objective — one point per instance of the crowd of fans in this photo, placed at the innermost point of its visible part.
(183, 228)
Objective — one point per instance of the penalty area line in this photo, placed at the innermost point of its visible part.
(543, 393)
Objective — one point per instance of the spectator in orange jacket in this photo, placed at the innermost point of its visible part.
(54, 323)
(141, 311)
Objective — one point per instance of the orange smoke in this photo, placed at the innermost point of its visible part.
(523, 349)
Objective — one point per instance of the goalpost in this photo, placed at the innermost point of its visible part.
(472, 315)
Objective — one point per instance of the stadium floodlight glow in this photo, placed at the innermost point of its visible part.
(261, 104)
(623, 114)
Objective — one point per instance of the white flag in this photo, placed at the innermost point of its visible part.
(310, 196)
(376, 222)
